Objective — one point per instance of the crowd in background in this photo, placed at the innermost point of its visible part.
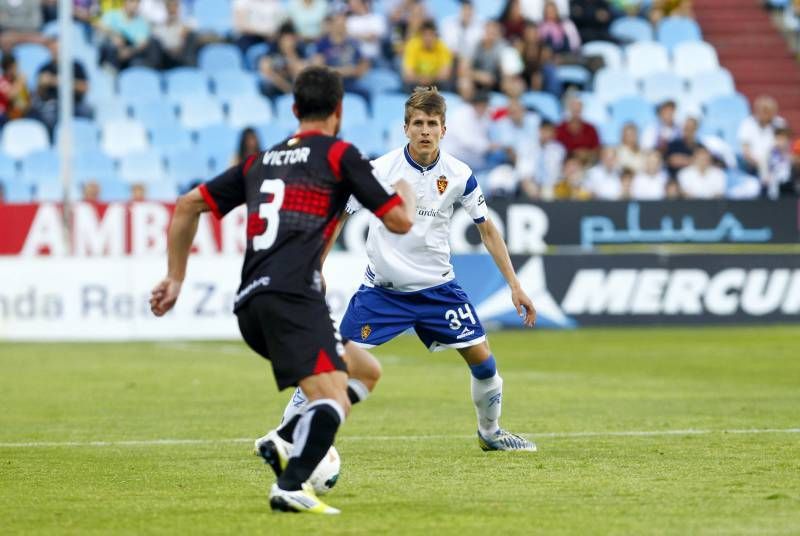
(515, 151)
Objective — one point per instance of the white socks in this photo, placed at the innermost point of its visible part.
(487, 395)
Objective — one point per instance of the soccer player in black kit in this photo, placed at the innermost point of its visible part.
(295, 193)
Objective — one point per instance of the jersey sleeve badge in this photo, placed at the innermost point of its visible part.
(365, 331)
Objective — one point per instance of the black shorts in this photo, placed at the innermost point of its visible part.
(296, 333)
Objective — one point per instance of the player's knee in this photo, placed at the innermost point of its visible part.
(372, 374)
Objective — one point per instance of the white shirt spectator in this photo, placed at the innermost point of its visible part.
(258, 17)
(462, 40)
(702, 185)
(649, 187)
(155, 11)
(534, 9)
(369, 29)
(659, 132)
(759, 139)
(467, 136)
(604, 183)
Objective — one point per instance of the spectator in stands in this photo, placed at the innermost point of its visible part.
(153, 11)
(512, 21)
(571, 187)
(248, 144)
(128, 38)
(679, 151)
(406, 18)
(703, 179)
(138, 192)
(533, 10)
(757, 135)
(468, 136)
(670, 8)
(658, 135)
(779, 181)
(20, 22)
(44, 103)
(367, 27)
(90, 191)
(540, 170)
(578, 137)
(280, 67)
(650, 184)
(175, 38)
(626, 180)
(592, 18)
(538, 70)
(560, 35)
(629, 154)
(14, 97)
(462, 32)
(308, 18)
(485, 70)
(603, 179)
(85, 12)
(342, 53)
(257, 21)
(427, 60)
(517, 133)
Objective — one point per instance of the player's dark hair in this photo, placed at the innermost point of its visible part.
(317, 93)
(426, 99)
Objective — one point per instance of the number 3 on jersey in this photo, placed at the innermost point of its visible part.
(269, 211)
(464, 313)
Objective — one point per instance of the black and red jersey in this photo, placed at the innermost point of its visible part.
(295, 193)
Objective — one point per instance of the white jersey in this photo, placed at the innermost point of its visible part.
(420, 259)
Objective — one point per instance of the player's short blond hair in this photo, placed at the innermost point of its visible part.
(426, 99)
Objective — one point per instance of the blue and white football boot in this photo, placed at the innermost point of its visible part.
(503, 440)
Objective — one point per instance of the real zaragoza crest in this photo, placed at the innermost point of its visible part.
(365, 331)
(441, 184)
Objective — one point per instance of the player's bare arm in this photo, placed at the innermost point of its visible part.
(182, 230)
(494, 243)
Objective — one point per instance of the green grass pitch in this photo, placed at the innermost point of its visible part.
(723, 406)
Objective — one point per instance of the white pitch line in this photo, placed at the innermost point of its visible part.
(555, 435)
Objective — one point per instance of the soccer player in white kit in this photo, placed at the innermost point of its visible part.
(409, 280)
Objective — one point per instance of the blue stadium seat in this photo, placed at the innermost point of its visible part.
(645, 58)
(691, 58)
(544, 103)
(488, 9)
(380, 80)
(442, 9)
(8, 167)
(139, 83)
(388, 108)
(497, 99)
(706, 85)
(249, 110)
(198, 112)
(85, 135)
(213, 16)
(23, 136)
(273, 133)
(186, 167)
(674, 30)
(367, 137)
(727, 110)
(40, 167)
(218, 143)
(595, 110)
(354, 110)
(49, 192)
(170, 137)
(574, 75)
(15, 190)
(610, 132)
(610, 52)
(283, 109)
(395, 136)
(186, 82)
(94, 165)
(110, 109)
(101, 87)
(154, 114)
(122, 137)
(253, 55)
(217, 57)
(658, 87)
(164, 190)
(114, 190)
(631, 29)
(30, 58)
(142, 167)
(612, 84)
(228, 84)
(632, 109)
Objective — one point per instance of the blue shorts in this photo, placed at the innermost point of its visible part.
(442, 316)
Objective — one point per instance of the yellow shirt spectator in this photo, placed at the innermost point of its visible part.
(426, 58)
